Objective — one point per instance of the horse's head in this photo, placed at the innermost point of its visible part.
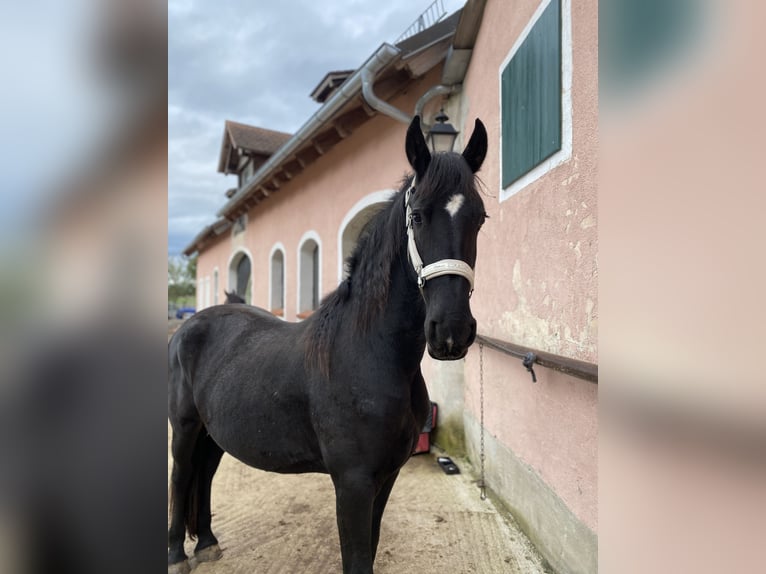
(444, 214)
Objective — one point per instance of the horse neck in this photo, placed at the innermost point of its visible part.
(405, 307)
(401, 324)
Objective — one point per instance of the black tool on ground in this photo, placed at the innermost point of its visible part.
(447, 465)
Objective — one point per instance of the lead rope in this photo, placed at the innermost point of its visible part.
(482, 484)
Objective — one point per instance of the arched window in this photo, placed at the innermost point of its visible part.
(215, 286)
(240, 275)
(309, 279)
(277, 281)
(353, 223)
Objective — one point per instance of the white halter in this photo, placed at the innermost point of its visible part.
(439, 268)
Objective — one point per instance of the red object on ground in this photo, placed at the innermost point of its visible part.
(424, 440)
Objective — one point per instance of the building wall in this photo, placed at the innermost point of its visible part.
(371, 162)
(214, 256)
(537, 285)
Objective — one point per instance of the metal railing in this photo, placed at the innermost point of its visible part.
(430, 16)
(531, 357)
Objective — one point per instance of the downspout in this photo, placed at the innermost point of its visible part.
(383, 56)
(440, 90)
(368, 79)
(364, 79)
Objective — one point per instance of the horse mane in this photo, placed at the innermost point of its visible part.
(364, 292)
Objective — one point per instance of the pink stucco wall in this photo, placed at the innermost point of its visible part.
(214, 256)
(317, 200)
(537, 271)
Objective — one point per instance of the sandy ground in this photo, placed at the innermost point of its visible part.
(270, 523)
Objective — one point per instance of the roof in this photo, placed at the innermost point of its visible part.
(422, 40)
(258, 141)
(331, 82)
(211, 231)
(345, 109)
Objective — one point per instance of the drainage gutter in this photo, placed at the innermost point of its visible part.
(439, 90)
(368, 79)
(382, 57)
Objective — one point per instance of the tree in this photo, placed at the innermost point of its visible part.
(191, 267)
(182, 273)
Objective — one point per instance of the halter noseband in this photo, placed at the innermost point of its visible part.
(439, 268)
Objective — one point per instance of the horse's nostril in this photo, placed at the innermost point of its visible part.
(431, 330)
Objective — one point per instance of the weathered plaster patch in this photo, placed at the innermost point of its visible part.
(570, 179)
(540, 325)
(522, 324)
(589, 221)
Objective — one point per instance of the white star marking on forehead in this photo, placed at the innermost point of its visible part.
(454, 204)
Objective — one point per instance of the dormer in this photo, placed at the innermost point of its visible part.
(246, 148)
(331, 82)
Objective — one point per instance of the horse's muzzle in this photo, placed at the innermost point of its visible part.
(448, 340)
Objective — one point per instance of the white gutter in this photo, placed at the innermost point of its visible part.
(382, 57)
(368, 79)
(439, 90)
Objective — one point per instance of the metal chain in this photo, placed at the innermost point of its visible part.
(482, 484)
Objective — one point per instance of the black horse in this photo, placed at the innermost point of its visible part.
(341, 392)
(233, 297)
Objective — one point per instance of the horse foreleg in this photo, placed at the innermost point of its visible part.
(377, 510)
(354, 501)
(210, 454)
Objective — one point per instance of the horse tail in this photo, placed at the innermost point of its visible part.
(181, 406)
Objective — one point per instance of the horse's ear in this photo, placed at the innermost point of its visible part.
(476, 150)
(416, 148)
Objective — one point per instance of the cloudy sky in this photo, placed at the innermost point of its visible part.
(255, 61)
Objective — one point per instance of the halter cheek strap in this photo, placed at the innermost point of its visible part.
(439, 268)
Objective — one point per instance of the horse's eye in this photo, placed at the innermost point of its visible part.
(417, 218)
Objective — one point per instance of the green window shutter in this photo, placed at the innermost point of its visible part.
(531, 97)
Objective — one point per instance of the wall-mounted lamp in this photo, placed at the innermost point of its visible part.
(442, 135)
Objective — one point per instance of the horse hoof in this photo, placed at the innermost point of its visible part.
(209, 554)
(179, 568)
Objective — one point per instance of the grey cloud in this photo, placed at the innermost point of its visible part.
(255, 62)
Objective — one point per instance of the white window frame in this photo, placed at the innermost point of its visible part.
(278, 247)
(216, 285)
(309, 235)
(376, 197)
(565, 153)
(232, 274)
(207, 291)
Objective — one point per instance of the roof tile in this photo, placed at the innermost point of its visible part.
(258, 140)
